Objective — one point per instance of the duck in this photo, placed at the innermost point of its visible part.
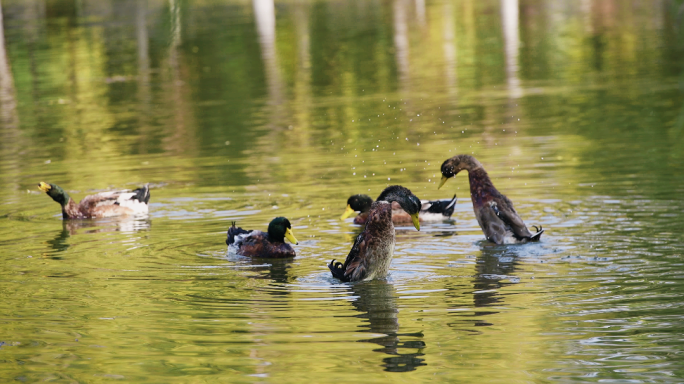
(254, 243)
(431, 210)
(103, 204)
(494, 211)
(372, 252)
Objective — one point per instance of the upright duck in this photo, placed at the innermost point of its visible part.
(103, 204)
(372, 251)
(494, 211)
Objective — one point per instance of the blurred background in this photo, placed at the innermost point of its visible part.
(247, 110)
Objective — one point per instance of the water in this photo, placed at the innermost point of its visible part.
(236, 111)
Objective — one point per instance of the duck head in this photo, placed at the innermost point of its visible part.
(280, 228)
(408, 201)
(357, 203)
(55, 192)
(451, 167)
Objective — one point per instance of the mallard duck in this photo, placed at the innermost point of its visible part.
(432, 210)
(494, 211)
(255, 243)
(103, 204)
(372, 251)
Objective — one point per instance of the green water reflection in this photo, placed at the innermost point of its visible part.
(246, 110)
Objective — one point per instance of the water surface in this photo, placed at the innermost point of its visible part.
(243, 111)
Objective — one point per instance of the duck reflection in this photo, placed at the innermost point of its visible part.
(71, 227)
(377, 303)
(494, 268)
(276, 270)
(494, 264)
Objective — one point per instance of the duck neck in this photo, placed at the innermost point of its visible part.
(70, 210)
(481, 186)
(380, 216)
(469, 163)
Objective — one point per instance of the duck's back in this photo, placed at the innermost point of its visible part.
(115, 203)
(257, 244)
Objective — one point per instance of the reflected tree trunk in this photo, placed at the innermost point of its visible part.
(510, 22)
(401, 43)
(449, 47)
(9, 119)
(420, 12)
(264, 13)
(182, 138)
(144, 92)
(302, 87)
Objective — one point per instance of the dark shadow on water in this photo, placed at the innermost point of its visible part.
(377, 302)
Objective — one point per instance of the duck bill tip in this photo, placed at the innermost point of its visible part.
(290, 236)
(442, 182)
(348, 212)
(416, 222)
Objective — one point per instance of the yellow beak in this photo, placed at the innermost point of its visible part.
(444, 180)
(347, 213)
(416, 223)
(45, 187)
(290, 236)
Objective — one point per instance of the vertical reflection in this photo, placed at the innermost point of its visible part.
(264, 13)
(449, 47)
(585, 7)
(378, 303)
(9, 121)
(144, 93)
(182, 139)
(8, 102)
(143, 51)
(420, 12)
(175, 34)
(401, 43)
(509, 21)
(302, 86)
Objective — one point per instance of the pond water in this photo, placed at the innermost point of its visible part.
(243, 111)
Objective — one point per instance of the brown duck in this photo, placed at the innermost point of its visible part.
(494, 211)
(372, 251)
(255, 243)
(432, 210)
(103, 204)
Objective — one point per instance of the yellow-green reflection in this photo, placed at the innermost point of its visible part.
(243, 111)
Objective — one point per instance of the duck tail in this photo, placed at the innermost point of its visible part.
(449, 209)
(142, 194)
(232, 232)
(337, 270)
(444, 207)
(537, 235)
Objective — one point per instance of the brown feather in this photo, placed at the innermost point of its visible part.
(257, 244)
(494, 211)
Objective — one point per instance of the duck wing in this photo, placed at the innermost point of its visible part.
(354, 267)
(492, 225)
(510, 217)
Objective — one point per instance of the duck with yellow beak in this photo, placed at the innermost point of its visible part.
(430, 210)
(254, 243)
(373, 249)
(494, 211)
